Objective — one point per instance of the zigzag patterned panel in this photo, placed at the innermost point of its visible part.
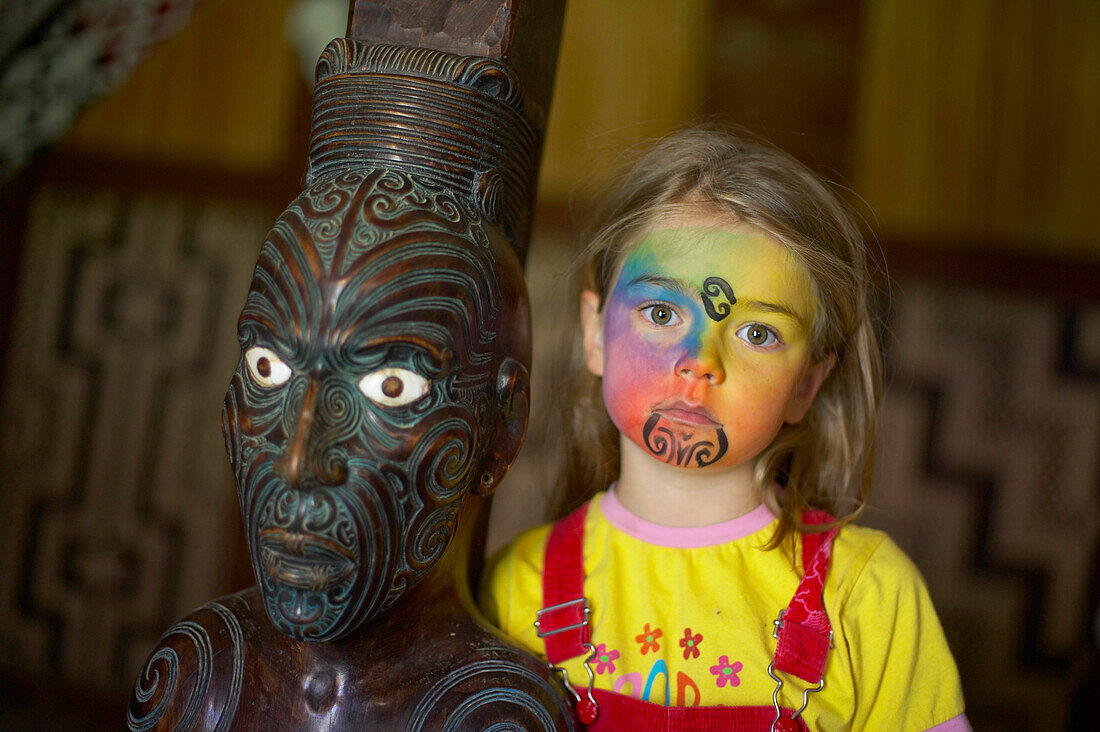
(114, 486)
(989, 479)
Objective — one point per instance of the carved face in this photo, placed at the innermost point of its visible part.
(375, 342)
(704, 344)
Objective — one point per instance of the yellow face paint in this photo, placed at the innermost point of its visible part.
(707, 338)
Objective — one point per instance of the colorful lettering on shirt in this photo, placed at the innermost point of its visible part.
(631, 683)
(659, 668)
(632, 680)
(684, 682)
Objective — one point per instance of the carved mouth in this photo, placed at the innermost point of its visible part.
(691, 414)
(304, 561)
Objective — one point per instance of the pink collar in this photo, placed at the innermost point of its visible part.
(682, 537)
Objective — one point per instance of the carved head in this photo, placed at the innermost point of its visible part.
(383, 378)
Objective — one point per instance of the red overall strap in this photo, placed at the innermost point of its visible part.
(804, 633)
(563, 582)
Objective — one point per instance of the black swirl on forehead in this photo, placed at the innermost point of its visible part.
(717, 298)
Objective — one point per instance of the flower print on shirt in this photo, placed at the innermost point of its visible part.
(690, 644)
(726, 672)
(605, 659)
(648, 639)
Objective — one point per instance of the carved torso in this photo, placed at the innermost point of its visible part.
(226, 667)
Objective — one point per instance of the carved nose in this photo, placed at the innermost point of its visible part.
(310, 460)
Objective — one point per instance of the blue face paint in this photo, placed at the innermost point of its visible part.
(694, 374)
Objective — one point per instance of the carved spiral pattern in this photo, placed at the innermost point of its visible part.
(318, 211)
(347, 502)
(312, 605)
(149, 687)
(186, 650)
(442, 458)
(517, 699)
(342, 406)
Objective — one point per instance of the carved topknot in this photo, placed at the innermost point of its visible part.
(490, 77)
(455, 120)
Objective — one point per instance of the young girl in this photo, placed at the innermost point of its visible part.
(712, 580)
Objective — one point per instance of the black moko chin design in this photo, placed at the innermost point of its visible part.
(680, 448)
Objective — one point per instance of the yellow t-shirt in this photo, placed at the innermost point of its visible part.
(683, 616)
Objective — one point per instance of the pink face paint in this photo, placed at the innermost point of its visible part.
(706, 340)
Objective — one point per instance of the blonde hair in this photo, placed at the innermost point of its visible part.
(825, 460)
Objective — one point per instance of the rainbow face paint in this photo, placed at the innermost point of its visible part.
(706, 337)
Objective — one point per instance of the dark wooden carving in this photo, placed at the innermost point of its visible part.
(523, 34)
(381, 395)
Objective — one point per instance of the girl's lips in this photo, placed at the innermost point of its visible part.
(688, 414)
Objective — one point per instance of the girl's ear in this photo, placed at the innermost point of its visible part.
(592, 325)
(803, 398)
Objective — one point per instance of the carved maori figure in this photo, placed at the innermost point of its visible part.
(381, 395)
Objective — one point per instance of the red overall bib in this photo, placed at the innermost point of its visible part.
(802, 631)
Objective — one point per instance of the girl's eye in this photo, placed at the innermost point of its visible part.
(660, 314)
(758, 335)
(265, 368)
(393, 387)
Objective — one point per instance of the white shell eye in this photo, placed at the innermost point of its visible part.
(265, 368)
(393, 387)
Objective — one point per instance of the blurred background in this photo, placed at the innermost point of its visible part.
(146, 147)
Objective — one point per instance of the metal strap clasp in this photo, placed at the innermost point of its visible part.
(778, 623)
(587, 708)
(582, 601)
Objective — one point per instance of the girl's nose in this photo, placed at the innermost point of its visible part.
(702, 363)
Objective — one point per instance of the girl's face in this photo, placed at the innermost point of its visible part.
(704, 342)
